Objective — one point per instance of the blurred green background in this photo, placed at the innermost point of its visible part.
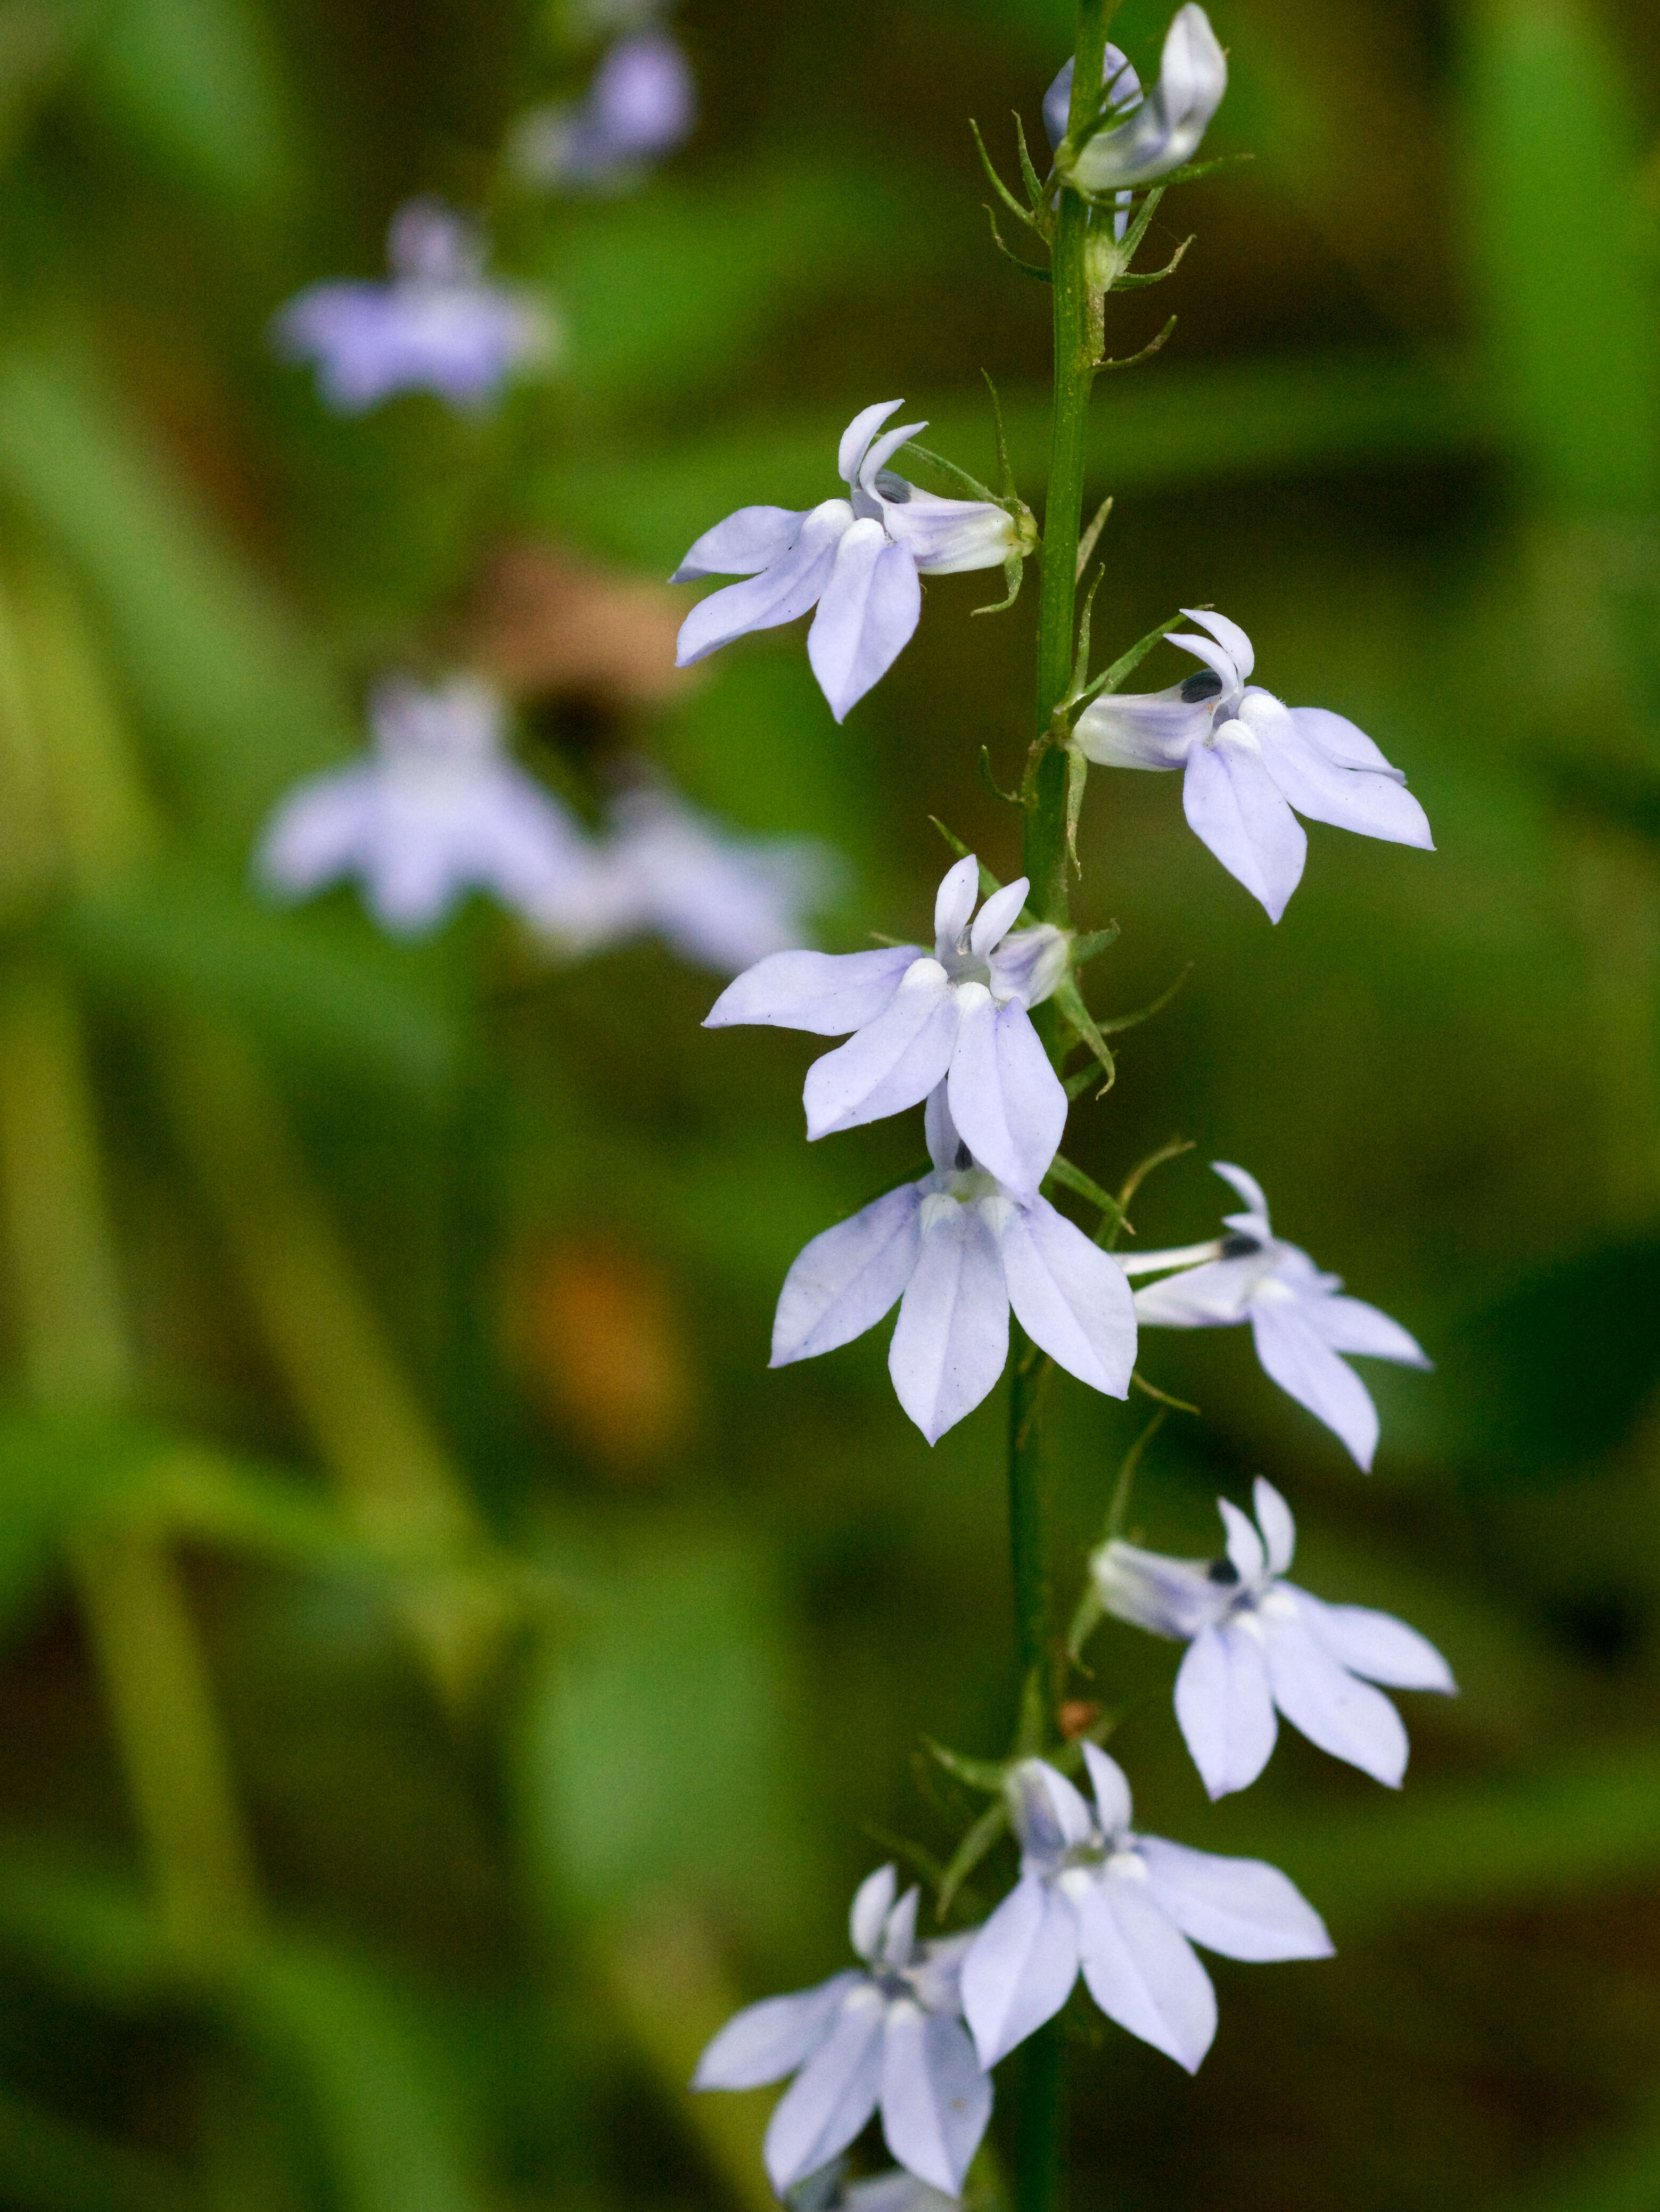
(398, 1316)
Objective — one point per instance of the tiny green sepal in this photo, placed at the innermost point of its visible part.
(1069, 1001)
(985, 1774)
(1021, 213)
(987, 777)
(1085, 1187)
(1133, 359)
(1127, 663)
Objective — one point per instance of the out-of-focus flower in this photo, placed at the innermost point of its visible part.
(1299, 1319)
(858, 561)
(435, 809)
(957, 1016)
(642, 105)
(1126, 1909)
(438, 324)
(1258, 1642)
(888, 2036)
(720, 899)
(1162, 131)
(957, 1249)
(1250, 760)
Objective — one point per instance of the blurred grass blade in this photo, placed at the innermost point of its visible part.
(233, 699)
(1574, 331)
(198, 84)
(48, 2165)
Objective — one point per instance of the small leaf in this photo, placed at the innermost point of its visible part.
(1012, 798)
(1133, 359)
(986, 1831)
(1029, 175)
(958, 477)
(1070, 1001)
(1021, 213)
(1151, 1391)
(1075, 1179)
(1127, 663)
(1133, 1021)
(978, 1773)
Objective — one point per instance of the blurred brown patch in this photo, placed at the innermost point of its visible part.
(542, 621)
(1076, 1718)
(595, 1333)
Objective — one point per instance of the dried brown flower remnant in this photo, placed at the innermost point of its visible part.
(542, 621)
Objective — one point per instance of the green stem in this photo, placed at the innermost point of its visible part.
(1039, 2155)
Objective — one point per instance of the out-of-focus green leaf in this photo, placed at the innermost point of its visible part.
(1553, 1374)
(48, 2165)
(234, 700)
(657, 1754)
(1189, 425)
(333, 995)
(53, 1468)
(37, 40)
(198, 84)
(1575, 325)
(377, 2088)
(663, 292)
(1487, 1845)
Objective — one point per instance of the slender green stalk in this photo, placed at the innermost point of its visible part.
(77, 1360)
(1040, 2148)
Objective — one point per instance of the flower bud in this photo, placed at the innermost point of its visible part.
(1165, 131)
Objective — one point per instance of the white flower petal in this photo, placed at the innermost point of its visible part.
(1332, 1707)
(1217, 657)
(953, 904)
(1351, 1325)
(1028, 965)
(856, 439)
(1248, 1187)
(952, 1336)
(1142, 729)
(893, 1062)
(848, 1278)
(1215, 1295)
(1142, 1971)
(833, 2095)
(743, 544)
(1048, 1814)
(779, 594)
(1167, 1597)
(936, 2098)
(882, 451)
(1006, 1098)
(1245, 1546)
(868, 614)
(1112, 1790)
(1342, 742)
(830, 993)
(1307, 1369)
(1233, 805)
(1020, 1967)
(899, 1935)
(872, 1902)
(1375, 1644)
(412, 872)
(317, 833)
(997, 917)
(766, 2041)
(1243, 1908)
(1228, 635)
(1370, 805)
(1273, 1517)
(1069, 1296)
(1118, 78)
(947, 537)
(1224, 1706)
(940, 1131)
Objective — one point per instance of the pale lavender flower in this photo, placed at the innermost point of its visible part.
(1122, 87)
(1298, 1318)
(1126, 1910)
(1162, 131)
(1249, 762)
(642, 105)
(957, 1016)
(721, 900)
(857, 560)
(888, 2036)
(1258, 1642)
(436, 808)
(957, 1249)
(437, 325)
